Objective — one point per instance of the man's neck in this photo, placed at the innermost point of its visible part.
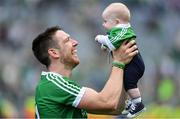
(60, 69)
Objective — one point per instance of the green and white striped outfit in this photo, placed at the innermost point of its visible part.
(118, 34)
(58, 97)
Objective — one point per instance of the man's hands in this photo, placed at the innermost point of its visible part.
(125, 52)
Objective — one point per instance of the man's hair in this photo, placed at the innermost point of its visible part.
(43, 42)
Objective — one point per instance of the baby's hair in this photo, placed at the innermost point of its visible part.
(118, 10)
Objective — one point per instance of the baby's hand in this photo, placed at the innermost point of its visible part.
(98, 37)
(101, 39)
(104, 48)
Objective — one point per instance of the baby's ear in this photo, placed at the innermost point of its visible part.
(117, 21)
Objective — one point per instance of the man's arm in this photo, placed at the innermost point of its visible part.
(107, 101)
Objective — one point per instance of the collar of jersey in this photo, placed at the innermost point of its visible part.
(59, 75)
(45, 73)
(123, 25)
(119, 26)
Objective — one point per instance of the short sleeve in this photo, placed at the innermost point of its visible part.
(64, 90)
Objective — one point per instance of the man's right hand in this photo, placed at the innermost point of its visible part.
(125, 52)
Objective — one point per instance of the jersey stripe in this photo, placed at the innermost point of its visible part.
(76, 87)
(64, 84)
(70, 86)
(114, 39)
(61, 86)
(119, 35)
(59, 77)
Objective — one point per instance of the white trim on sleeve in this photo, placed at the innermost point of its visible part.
(79, 96)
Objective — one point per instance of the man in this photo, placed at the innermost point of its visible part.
(57, 96)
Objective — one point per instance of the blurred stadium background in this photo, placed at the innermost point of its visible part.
(156, 22)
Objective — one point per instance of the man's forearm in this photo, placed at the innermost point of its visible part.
(118, 111)
(113, 88)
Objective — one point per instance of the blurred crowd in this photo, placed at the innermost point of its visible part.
(156, 23)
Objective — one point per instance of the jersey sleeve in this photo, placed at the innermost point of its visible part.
(65, 91)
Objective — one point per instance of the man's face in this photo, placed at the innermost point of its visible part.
(68, 51)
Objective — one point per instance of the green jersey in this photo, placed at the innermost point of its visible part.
(58, 97)
(119, 33)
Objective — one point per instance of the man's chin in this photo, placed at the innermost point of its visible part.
(76, 62)
(75, 65)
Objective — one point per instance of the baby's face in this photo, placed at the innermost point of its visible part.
(108, 22)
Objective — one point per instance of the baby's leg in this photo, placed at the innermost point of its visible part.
(133, 72)
(134, 93)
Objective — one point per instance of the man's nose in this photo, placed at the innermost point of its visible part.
(75, 43)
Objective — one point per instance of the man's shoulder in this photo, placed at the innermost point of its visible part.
(60, 81)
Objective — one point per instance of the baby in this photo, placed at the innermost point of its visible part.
(117, 22)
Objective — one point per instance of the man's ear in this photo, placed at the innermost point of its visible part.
(53, 52)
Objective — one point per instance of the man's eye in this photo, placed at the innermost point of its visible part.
(68, 39)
